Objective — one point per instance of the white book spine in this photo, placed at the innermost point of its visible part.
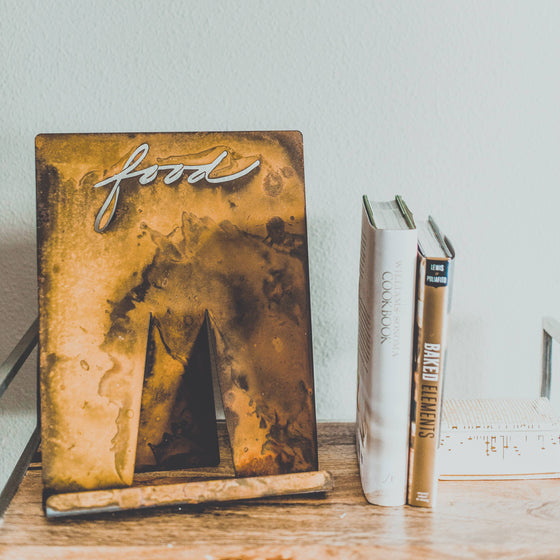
(386, 317)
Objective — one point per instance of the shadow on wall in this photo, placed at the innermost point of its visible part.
(18, 296)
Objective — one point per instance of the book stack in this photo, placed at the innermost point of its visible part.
(404, 294)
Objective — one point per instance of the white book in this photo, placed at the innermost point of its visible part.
(386, 314)
(499, 439)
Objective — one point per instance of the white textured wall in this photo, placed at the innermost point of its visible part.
(455, 105)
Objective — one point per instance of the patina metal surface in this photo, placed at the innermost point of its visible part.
(138, 236)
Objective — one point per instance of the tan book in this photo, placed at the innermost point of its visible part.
(435, 258)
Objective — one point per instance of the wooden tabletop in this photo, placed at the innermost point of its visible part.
(505, 519)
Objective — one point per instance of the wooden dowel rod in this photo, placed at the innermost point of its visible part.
(222, 490)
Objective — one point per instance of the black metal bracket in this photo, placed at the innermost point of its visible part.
(8, 371)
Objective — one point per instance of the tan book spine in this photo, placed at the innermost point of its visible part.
(429, 354)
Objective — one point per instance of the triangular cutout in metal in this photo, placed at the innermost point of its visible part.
(177, 419)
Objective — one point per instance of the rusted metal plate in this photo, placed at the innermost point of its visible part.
(139, 235)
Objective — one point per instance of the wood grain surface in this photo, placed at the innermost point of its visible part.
(475, 519)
